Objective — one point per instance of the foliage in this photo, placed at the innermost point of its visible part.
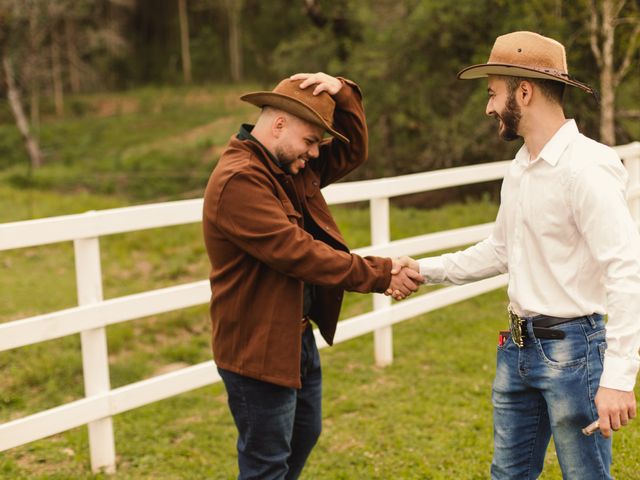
(404, 55)
(420, 115)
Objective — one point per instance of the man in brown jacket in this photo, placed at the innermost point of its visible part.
(278, 260)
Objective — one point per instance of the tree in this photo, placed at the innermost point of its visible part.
(55, 16)
(13, 95)
(234, 10)
(605, 18)
(34, 36)
(184, 40)
(9, 20)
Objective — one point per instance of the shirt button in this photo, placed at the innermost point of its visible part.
(315, 184)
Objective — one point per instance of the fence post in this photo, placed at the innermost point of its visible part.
(95, 359)
(382, 337)
(633, 167)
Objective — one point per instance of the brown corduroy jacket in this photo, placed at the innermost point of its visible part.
(261, 255)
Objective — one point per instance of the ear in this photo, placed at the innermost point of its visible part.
(525, 92)
(278, 125)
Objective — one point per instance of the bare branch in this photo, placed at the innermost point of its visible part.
(629, 113)
(617, 7)
(625, 20)
(628, 56)
(593, 33)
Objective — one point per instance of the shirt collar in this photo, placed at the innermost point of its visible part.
(553, 149)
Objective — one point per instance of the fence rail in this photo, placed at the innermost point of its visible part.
(93, 314)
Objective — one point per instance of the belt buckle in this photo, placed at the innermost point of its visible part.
(515, 326)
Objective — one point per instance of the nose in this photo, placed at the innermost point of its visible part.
(489, 109)
(314, 151)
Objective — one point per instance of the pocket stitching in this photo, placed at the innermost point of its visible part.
(573, 364)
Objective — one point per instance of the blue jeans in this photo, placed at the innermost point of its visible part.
(277, 426)
(548, 388)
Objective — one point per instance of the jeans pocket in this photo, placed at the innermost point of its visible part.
(570, 352)
(602, 348)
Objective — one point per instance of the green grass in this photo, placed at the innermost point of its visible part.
(145, 144)
(427, 416)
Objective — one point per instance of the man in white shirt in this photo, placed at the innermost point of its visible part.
(572, 250)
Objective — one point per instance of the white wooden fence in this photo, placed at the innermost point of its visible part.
(93, 314)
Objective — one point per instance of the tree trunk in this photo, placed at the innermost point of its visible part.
(73, 59)
(34, 102)
(33, 70)
(56, 71)
(605, 17)
(607, 77)
(184, 41)
(18, 112)
(234, 9)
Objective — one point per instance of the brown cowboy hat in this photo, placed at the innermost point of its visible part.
(289, 97)
(526, 54)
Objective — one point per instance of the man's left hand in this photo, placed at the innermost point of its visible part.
(323, 82)
(615, 409)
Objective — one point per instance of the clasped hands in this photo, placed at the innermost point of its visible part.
(405, 278)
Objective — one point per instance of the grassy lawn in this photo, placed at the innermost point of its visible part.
(147, 144)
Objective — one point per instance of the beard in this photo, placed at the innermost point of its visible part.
(286, 159)
(510, 118)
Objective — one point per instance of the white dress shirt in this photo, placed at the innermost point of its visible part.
(565, 236)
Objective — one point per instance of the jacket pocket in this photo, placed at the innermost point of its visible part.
(292, 214)
(312, 186)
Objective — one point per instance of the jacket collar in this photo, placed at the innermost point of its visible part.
(248, 140)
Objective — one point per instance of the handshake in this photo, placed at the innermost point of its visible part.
(405, 278)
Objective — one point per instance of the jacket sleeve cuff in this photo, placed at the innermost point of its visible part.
(432, 269)
(346, 94)
(383, 283)
(619, 373)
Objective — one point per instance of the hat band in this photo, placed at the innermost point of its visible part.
(550, 71)
(554, 73)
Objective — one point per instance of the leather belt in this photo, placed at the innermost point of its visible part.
(541, 327)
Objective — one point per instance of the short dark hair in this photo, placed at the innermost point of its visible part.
(551, 89)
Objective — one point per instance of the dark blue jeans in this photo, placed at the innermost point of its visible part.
(277, 426)
(548, 388)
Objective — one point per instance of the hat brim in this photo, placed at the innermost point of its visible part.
(485, 69)
(293, 106)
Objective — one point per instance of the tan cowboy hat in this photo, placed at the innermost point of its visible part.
(526, 54)
(288, 96)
